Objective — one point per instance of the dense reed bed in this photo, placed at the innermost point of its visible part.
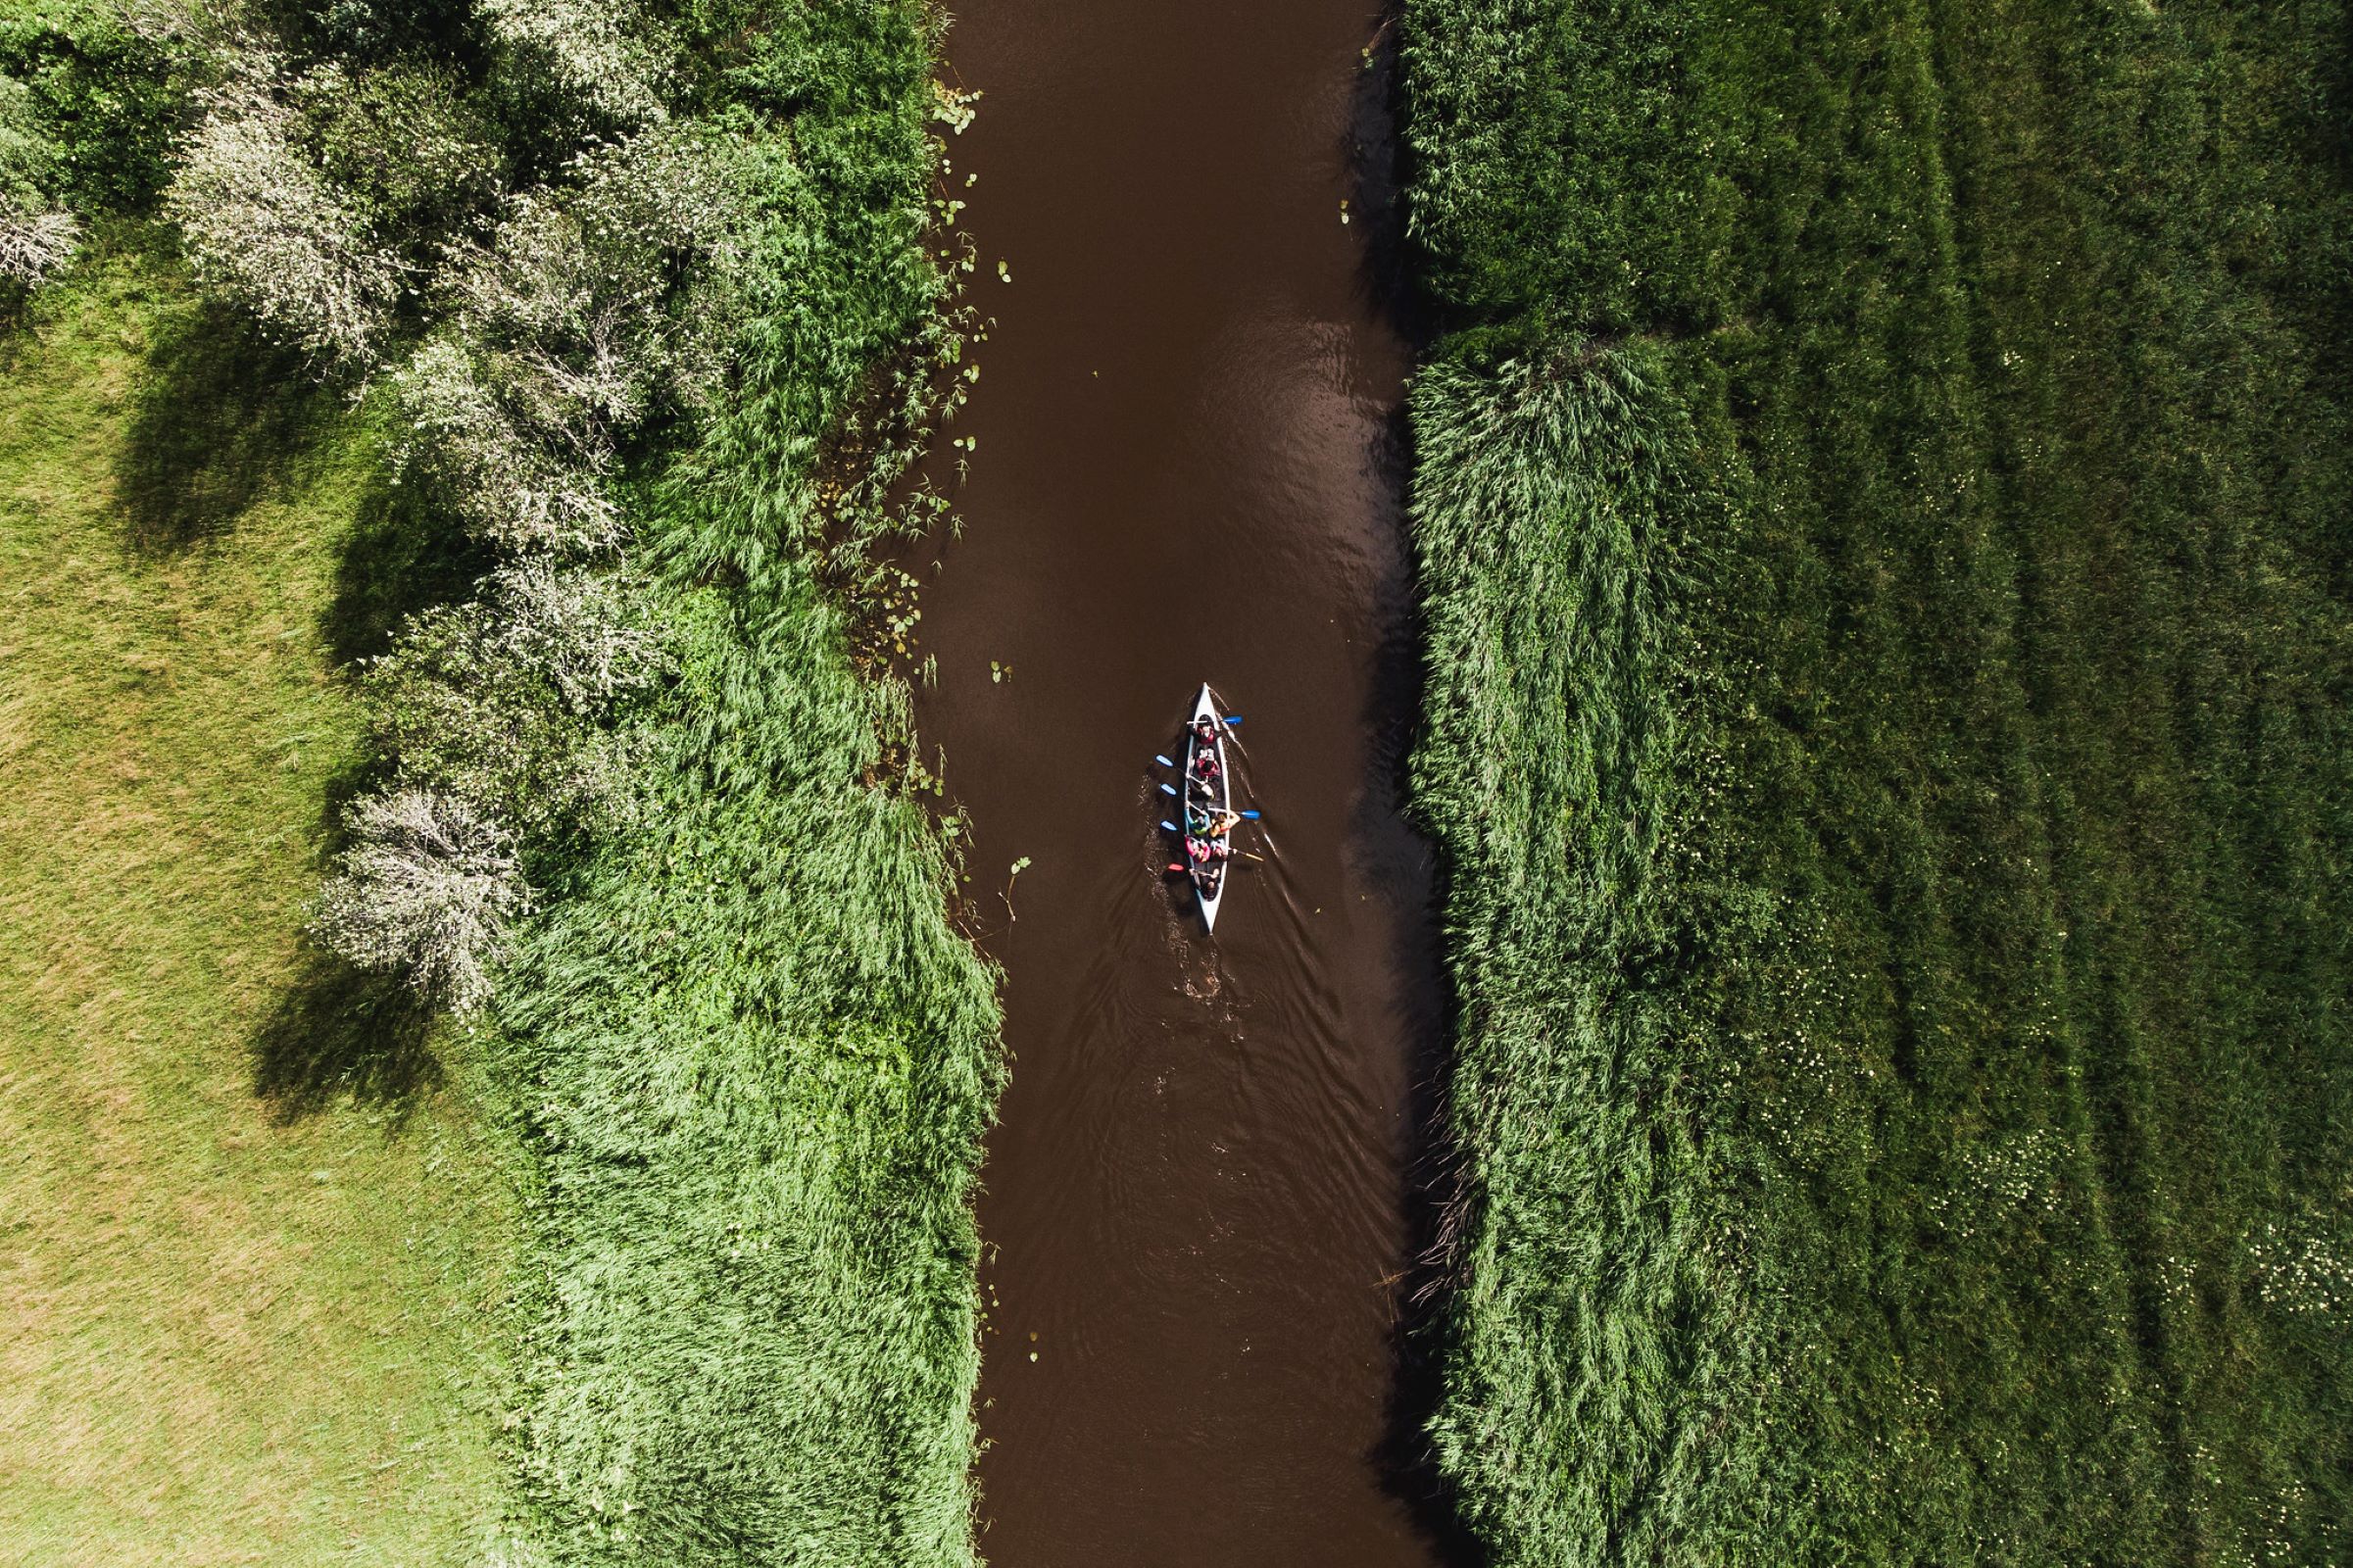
(1879, 510)
(752, 1058)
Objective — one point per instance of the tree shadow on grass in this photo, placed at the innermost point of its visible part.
(340, 1033)
(217, 419)
(402, 553)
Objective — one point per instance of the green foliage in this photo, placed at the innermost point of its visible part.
(754, 1061)
(744, 1056)
(1587, 1359)
(750, 1056)
(1890, 735)
(109, 98)
(406, 140)
(516, 701)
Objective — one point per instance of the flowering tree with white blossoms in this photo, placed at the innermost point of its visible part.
(262, 224)
(600, 51)
(506, 700)
(429, 886)
(564, 334)
(590, 308)
(524, 341)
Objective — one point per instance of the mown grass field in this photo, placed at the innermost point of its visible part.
(1881, 519)
(253, 1238)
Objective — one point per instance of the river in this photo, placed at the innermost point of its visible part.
(1197, 1206)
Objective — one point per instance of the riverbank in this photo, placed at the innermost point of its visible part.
(1887, 737)
(748, 1055)
(640, 329)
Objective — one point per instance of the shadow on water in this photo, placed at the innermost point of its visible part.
(1431, 1169)
(339, 1034)
(1432, 1174)
(218, 420)
(1378, 172)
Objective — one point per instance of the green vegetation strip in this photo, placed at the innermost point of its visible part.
(752, 1058)
(1881, 516)
(641, 299)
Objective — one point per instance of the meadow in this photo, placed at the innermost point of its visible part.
(257, 1231)
(1880, 504)
(630, 1224)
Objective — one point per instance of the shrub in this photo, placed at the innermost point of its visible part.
(400, 145)
(36, 234)
(105, 101)
(565, 332)
(263, 225)
(428, 888)
(34, 241)
(508, 701)
(603, 54)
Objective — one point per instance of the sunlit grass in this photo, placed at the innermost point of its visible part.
(249, 1257)
(750, 1058)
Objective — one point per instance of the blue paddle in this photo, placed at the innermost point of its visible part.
(1171, 826)
(1168, 788)
(1248, 817)
(1233, 719)
(1162, 760)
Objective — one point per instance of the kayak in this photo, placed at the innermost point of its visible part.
(1204, 800)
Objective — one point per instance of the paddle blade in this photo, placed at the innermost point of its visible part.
(1168, 788)
(1162, 760)
(1233, 719)
(1248, 817)
(1171, 826)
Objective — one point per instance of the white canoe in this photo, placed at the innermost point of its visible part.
(1218, 799)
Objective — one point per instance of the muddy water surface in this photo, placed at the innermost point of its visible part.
(1196, 1207)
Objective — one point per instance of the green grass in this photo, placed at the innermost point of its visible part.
(252, 1238)
(736, 1078)
(1880, 514)
(749, 1056)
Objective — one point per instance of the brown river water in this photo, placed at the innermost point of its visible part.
(1199, 1203)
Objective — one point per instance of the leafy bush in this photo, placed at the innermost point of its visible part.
(569, 328)
(603, 53)
(509, 702)
(38, 235)
(107, 97)
(402, 144)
